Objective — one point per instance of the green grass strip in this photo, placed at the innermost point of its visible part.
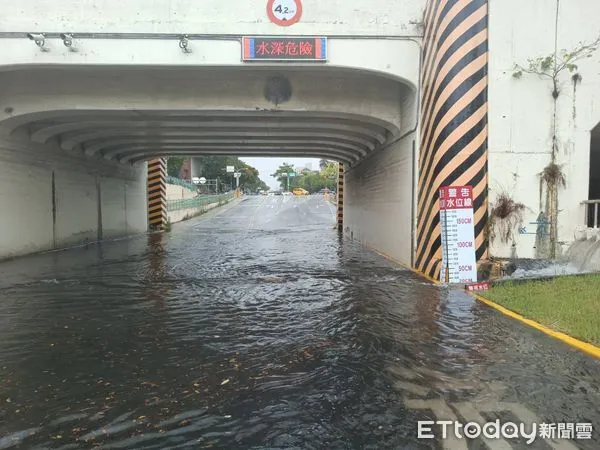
(567, 304)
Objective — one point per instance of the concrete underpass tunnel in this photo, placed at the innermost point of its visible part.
(403, 125)
(99, 127)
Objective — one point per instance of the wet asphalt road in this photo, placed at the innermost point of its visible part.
(256, 327)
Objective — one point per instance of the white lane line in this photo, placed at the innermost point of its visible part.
(256, 209)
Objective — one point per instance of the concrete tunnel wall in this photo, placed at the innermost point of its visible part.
(379, 193)
(50, 200)
(378, 201)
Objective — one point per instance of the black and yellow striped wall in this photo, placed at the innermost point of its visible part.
(157, 193)
(453, 132)
(340, 198)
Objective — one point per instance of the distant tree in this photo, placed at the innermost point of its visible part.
(281, 175)
(330, 171)
(314, 181)
(174, 164)
(215, 168)
(249, 180)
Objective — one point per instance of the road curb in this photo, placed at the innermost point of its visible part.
(401, 264)
(585, 347)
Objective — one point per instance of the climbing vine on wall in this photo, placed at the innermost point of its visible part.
(505, 217)
(553, 67)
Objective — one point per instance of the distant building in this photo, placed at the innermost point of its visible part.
(185, 173)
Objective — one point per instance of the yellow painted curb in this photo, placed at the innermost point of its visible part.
(586, 347)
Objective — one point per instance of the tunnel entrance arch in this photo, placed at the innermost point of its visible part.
(115, 119)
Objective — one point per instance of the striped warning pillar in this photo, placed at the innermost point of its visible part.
(453, 129)
(157, 193)
(340, 198)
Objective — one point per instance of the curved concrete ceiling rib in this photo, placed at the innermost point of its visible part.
(127, 136)
(125, 155)
(73, 134)
(118, 145)
(262, 153)
(67, 120)
(70, 141)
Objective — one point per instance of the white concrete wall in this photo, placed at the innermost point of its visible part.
(210, 16)
(520, 110)
(378, 201)
(26, 202)
(379, 192)
(176, 192)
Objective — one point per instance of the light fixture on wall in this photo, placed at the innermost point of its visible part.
(68, 41)
(40, 40)
(184, 43)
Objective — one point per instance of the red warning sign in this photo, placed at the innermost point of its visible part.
(284, 12)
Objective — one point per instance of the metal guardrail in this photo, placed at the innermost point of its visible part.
(198, 202)
(182, 183)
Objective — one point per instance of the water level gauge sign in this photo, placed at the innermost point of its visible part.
(284, 12)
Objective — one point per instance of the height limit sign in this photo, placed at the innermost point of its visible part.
(458, 235)
(284, 12)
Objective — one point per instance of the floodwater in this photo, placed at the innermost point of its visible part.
(256, 327)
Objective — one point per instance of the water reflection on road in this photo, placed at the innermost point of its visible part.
(257, 327)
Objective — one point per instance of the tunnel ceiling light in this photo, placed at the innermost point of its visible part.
(39, 39)
(184, 43)
(68, 41)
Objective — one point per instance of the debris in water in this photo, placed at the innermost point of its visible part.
(272, 279)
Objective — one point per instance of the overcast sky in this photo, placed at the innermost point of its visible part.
(267, 166)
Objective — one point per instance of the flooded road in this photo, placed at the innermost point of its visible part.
(256, 327)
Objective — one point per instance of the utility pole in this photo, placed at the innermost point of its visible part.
(289, 174)
(231, 170)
